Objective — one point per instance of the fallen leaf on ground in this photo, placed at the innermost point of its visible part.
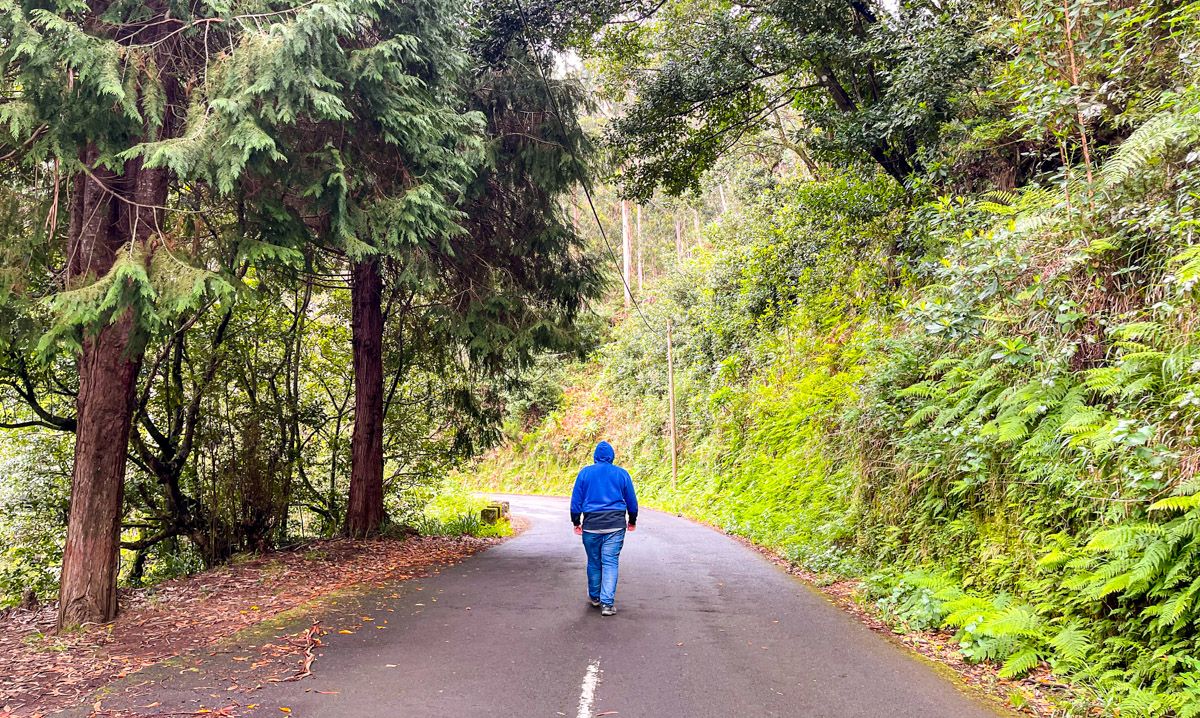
(44, 672)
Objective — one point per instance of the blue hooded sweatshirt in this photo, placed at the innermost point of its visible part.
(603, 494)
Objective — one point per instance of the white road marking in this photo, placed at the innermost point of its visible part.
(587, 692)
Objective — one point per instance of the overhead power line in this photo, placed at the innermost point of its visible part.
(581, 171)
(587, 193)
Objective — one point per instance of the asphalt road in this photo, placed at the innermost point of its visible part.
(705, 628)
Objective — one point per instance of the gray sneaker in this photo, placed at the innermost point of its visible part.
(608, 610)
(595, 602)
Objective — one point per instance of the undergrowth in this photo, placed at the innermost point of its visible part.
(454, 511)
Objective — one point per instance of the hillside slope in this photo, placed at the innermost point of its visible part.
(998, 434)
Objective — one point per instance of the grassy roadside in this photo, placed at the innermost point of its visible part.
(543, 460)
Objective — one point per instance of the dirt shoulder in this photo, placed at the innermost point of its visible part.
(43, 672)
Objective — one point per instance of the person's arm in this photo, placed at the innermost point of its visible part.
(631, 504)
(577, 501)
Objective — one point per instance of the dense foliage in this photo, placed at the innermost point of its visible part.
(185, 195)
(938, 332)
(976, 389)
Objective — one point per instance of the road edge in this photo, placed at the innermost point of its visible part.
(933, 648)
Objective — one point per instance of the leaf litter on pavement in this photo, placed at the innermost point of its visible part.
(44, 672)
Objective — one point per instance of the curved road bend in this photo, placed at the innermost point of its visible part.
(705, 628)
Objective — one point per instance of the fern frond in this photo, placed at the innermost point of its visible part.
(1020, 663)
(1170, 130)
(1176, 503)
(1072, 642)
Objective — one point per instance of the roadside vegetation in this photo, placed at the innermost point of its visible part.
(454, 511)
(271, 271)
(975, 390)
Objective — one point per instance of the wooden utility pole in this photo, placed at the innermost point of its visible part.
(626, 250)
(639, 247)
(671, 395)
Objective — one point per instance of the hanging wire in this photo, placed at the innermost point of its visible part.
(584, 182)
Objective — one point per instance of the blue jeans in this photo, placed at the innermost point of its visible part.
(603, 551)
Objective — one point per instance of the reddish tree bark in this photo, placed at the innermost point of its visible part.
(108, 212)
(365, 515)
(107, 375)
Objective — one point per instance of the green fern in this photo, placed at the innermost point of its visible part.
(1072, 643)
(1171, 131)
(1020, 663)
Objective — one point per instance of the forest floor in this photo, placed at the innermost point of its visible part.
(44, 671)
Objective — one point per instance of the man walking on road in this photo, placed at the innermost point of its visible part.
(603, 495)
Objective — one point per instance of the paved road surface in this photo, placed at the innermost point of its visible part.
(705, 628)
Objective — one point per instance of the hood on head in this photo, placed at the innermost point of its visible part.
(604, 453)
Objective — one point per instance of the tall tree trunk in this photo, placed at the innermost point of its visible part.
(678, 241)
(107, 376)
(108, 212)
(626, 251)
(364, 515)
